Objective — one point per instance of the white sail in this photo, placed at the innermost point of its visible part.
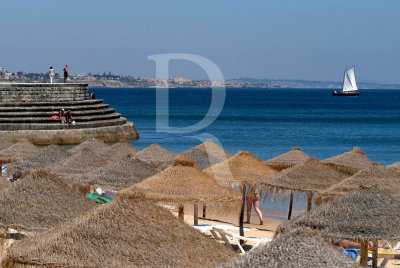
(349, 81)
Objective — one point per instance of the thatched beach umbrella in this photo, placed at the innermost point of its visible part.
(79, 163)
(207, 154)
(300, 248)
(41, 159)
(363, 215)
(119, 174)
(395, 166)
(118, 151)
(17, 151)
(214, 149)
(201, 158)
(309, 177)
(39, 201)
(93, 144)
(183, 183)
(350, 162)
(243, 168)
(377, 177)
(287, 160)
(5, 143)
(128, 232)
(155, 155)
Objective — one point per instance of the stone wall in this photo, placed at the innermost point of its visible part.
(56, 92)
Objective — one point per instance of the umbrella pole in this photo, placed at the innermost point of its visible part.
(375, 253)
(241, 217)
(196, 213)
(309, 201)
(204, 210)
(181, 212)
(364, 253)
(290, 205)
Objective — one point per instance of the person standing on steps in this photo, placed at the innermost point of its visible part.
(51, 74)
(65, 73)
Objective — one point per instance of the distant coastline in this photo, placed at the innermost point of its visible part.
(274, 85)
(118, 81)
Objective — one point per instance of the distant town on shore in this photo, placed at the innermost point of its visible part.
(109, 80)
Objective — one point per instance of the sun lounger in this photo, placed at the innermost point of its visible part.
(386, 255)
(168, 207)
(224, 235)
(388, 245)
(204, 228)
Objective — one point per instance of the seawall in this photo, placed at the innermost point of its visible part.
(26, 111)
(29, 92)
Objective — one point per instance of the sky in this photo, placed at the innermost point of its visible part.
(308, 39)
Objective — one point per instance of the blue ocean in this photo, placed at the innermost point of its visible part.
(269, 122)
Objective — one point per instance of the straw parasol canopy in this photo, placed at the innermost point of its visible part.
(42, 158)
(289, 159)
(309, 176)
(207, 154)
(376, 177)
(128, 232)
(365, 214)
(243, 167)
(5, 143)
(155, 155)
(118, 151)
(81, 162)
(201, 158)
(93, 144)
(17, 151)
(39, 201)
(120, 174)
(184, 183)
(350, 162)
(395, 166)
(300, 248)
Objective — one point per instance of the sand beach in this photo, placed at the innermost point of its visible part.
(52, 206)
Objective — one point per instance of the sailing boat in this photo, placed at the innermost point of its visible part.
(349, 84)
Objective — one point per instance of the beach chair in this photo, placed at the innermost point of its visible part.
(389, 246)
(386, 255)
(226, 237)
(204, 228)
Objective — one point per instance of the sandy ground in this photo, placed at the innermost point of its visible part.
(216, 217)
(254, 230)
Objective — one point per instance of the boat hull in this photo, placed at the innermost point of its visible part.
(351, 93)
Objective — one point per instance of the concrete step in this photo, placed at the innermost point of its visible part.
(47, 114)
(50, 103)
(55, 109)
(56, 125)
(18, 92)
(45, 120)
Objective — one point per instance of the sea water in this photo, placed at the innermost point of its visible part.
(269, 122)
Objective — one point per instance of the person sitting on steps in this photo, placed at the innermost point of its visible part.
(68, 117)
(61, 115)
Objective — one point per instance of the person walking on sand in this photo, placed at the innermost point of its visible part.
(51, 74)
(65, 73)
(253, 199)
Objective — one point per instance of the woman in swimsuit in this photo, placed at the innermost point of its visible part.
(253, 199)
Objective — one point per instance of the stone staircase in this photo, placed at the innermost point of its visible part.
(25, 111)
(36, 115)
